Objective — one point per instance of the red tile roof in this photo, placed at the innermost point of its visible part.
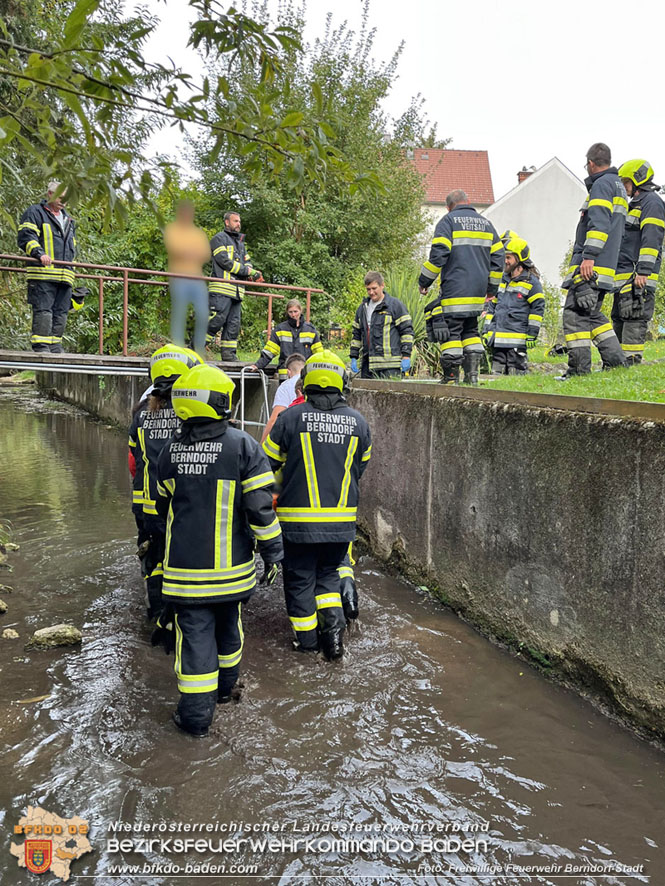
(445, 169)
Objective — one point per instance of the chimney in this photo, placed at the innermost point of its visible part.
(524, 173)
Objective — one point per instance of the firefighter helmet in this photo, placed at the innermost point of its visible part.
(203, 392)
(520, 248)
(508, 235)
(169, 363)
(639, 172)
(324, 370)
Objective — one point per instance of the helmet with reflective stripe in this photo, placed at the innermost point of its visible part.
(325, 371)
(639, 172)
(518, 247)
(169, 363)
(507, 235)
(203, 392)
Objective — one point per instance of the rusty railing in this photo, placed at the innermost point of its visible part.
(122, 275)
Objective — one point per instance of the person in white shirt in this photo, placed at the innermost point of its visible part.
(286, 392)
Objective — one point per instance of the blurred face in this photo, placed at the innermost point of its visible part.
(56, 203)
(233, 223)
(185, 214)
(375, 291)
(629, 186)
(510, 262)
(294, 312)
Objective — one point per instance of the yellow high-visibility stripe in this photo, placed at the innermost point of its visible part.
(606, 327)
(463, 301)
(578, 336)
(29, 226)
(442, 241)
(272, 450)
(306, 623)
(646, 250)
(652, 221)
(146, 478)
(316, 515)
(402, 319)
(597, 201)
(367, 454)
(310, 470)
(240, 570)
(272, 530)
(328, 601)
(258, 481)
(430, 267)
(48, 240)
(209, 590)
(473, 235)
(346, 482)
(224, 524)
(535, 317)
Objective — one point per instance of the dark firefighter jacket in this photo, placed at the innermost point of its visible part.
(322, 447)
(516, 312)
(38, 234)
(389, 336)
(230, 260)
(214, 487)
(642, 244)
(468, 254)
(148, 434)
(290, 338)
(600, 228)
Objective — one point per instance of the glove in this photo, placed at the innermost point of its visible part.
(531, 336)
(488, 338)
(164, 633)
(585, 295)
(257, 277)
(626, 307)
(406, 364)
(637, 305)
(270, 571)
(440, 331)
(349, 596)
(531, 342)
(354, 364)
(78, 297)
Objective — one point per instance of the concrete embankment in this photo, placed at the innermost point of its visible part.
(543, 527)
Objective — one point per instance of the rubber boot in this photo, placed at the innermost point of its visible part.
(199, 733)
(331, 642)
(450, 375)
(349, 596)
(632, 360)
(229, 356)
(470, 364)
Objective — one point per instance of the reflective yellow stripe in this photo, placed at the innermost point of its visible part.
(646, 250)
(272, 530)
(328, 601)
(146, 478)
(32, 244)
(367, 454)
(310, 470)
(210, 590)
(431, 267)
(345, 572)
(240, 570)
(307, 623)
(316, 515)
(496, 247)
(258, 482)
(598, 202)
(578, 336)
(597, 235)
(473, 235)
(606, 327)
(48, 240)
(346, 482)
(402, 319)
(652, 221)
(272, 450)
(443, 241)
(224, 524)
(622, 202)
(170, 485)
(29, 226)
(272, 348)
(387, 321)
(464, 301)
(535, 317)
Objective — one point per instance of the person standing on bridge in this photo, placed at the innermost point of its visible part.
(640, 257)
(593, 266)
(214, 485)
(468, 255)
(320, 449)
(514, 315)
(153, 425)
(382, 337)
(230, 262)
(294, 336)
(188, 250)
(47, 233)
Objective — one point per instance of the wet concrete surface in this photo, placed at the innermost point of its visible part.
(423, 724)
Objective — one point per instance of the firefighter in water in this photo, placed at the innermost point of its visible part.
(640, 257)
(153, 425)
(294, 336)
(321, 448)
(214, 485)
(47, 233)
(515, 314)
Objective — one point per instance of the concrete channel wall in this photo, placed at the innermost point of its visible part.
(544, 527)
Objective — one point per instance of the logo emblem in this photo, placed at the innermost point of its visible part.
(38, 855)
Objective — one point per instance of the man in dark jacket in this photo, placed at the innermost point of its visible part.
(320, 450)
(46, 233)
(593, 266)
(382, 336)
(640, 258)
(214, 490)
(467, 254)
(230, 262)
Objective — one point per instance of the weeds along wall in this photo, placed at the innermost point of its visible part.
(545, 528)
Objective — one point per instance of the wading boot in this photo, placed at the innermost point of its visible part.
(199, 733)
(229, 356)
(234, 694)
(497, 368)
(470, 366)
(450, 375)
(331, 643)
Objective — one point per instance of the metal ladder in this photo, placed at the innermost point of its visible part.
(240, 405)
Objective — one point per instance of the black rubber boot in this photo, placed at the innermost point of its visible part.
(332, 644)
(349, 596)
(450, 375)
(229, 357)
(199, 733)
(470, 366)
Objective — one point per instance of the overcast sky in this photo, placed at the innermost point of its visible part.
(524, 81)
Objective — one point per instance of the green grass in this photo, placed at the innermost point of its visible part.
(653, 350)
(639, 383)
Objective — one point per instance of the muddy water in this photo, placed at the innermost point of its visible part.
(424, 724)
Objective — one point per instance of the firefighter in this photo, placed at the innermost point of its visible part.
(214, 484)
(382, 335)
(230, 262)
(47, 233)
(294, 336)
(321, 449)
(639, 259)
(153, 426)
(515, 314)
(593, 266)
(467, 253)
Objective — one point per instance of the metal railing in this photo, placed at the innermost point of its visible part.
(122, 275)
